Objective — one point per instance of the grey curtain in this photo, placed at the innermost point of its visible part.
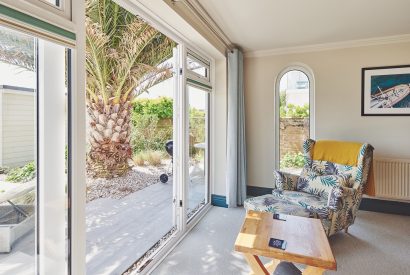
(236, 146)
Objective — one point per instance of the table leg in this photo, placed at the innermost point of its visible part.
(271, 266)
(256, 264)
(311, 270)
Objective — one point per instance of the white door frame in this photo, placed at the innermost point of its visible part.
(73, 23)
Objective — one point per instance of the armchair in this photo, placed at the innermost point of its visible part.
(330, 186)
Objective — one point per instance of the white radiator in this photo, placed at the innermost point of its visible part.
(392, 178)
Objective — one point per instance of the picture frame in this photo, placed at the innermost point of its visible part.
(386, 91)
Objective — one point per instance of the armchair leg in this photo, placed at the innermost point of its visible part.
(347, 230)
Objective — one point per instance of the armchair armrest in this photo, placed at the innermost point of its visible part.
(285, 181)
(339, 195)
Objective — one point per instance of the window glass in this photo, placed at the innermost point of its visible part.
(34, 137)
(198, 150)
(56, 3)
(18, 158)
(197, 67)
(294, 118)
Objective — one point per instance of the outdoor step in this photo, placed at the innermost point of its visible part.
(17, 263)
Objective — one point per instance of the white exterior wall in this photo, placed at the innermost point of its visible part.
(17, 127)
(297, 97)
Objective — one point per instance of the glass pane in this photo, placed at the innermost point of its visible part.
(294, 119)
(130, 187)
(18, 123)
(197, 67)
(33, 212)
(53, 2)
(198, 150)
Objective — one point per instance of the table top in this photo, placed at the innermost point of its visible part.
(306, 240)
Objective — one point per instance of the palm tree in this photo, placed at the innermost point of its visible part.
(125, 56)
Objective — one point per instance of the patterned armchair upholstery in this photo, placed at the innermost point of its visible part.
(326, 190)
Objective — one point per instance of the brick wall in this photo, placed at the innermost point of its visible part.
(293, 131)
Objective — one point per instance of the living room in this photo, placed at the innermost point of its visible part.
(283, 148)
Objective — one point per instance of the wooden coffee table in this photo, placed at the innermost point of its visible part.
(306, 243)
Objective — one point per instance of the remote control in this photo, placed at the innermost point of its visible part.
(280, 217)
(277, 243)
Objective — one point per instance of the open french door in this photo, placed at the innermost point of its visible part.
(193, 88)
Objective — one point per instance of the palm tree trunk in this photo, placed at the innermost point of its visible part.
(109, 139)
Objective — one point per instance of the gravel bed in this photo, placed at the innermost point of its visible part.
(136, 179)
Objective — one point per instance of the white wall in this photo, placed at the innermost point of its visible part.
(338, 93)
(17, 127)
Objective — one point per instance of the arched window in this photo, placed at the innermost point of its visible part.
(294, 116)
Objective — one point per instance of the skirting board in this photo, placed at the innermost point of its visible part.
(384, 206)
(218, 200)
(368, 204)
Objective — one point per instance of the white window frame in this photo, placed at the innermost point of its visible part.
(200, 60)
(74, 23)
(56, 15)
(51, 177)
(309, 73)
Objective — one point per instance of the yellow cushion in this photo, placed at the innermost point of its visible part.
(340, 152)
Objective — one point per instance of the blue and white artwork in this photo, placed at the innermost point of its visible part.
(386, 91)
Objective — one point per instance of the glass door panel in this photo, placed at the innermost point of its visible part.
(34, 167)
(130, 210)
(18, 156)
(197, 186)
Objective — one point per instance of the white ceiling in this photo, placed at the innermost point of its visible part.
(258, 25)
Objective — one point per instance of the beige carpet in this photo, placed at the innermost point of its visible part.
(377, 244)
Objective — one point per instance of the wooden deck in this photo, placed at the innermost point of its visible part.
(120, 231)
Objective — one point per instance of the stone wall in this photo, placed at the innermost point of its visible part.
(293, 131)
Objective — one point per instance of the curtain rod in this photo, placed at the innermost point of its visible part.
(204, 16)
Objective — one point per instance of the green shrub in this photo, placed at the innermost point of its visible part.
(197, 125)
(22, 174)
(292, 160)
(152, 124)
(161, 107)
(294, 111)
(146, 135)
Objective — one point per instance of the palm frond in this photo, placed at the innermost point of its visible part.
(125, 55)
(17, 49)
(152, 78)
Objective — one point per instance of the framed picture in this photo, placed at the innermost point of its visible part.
(386, 91)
